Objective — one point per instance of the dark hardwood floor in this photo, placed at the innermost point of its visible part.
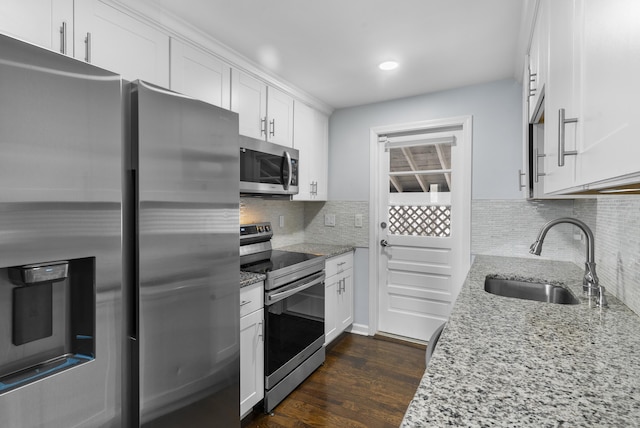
(365, 382)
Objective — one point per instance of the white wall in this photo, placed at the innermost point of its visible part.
(497, 137)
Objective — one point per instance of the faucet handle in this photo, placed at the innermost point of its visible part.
(602, 299)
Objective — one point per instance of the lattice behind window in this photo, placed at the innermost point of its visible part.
(420, 221)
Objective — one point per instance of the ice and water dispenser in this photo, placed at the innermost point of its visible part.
(50, 308)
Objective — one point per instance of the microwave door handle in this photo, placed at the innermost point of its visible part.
(276, 297)
(289, 168)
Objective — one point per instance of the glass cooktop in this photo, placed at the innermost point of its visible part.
(278, 260)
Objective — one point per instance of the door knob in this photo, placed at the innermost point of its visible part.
(384, 243)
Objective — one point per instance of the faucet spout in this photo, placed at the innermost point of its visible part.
(590, 282)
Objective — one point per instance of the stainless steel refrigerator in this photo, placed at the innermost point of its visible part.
(119, 232)
(61, 271)
(181, 212)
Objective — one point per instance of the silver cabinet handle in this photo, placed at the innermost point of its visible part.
(63, 38)
(263, 125)
(533, 77)
(87, 48)
(536, 165)
(384, 243)
(520, 175)
(272, 127)
(561, 136)
(245, 302)
(261, 330)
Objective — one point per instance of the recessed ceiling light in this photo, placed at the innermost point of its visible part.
(388, 65)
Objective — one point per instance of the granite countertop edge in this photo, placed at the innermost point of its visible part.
(509, 362)
(327, 250)
(249, 278)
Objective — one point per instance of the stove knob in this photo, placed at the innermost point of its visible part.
(260, 229)
(267, 228)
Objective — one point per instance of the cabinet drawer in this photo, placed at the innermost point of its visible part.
(251, 298)
(338, 264)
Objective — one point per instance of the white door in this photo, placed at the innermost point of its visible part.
(423, 223)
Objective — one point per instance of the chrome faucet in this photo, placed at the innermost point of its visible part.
(590, 282)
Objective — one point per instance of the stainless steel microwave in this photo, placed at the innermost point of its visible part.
(267, 168)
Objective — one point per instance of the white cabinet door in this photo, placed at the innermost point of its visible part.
(109, 38)
(538, 53)
(251, 360)
(280, 117)
(562, 96)
(345, 301)
(338, 314)
(47, 23)
(331, 309)
(310, 132)
(611, 112)
(249, 100)
(200, 75)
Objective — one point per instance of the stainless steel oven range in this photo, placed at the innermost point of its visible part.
(294, 310)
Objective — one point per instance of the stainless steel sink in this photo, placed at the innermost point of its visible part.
(540, 292)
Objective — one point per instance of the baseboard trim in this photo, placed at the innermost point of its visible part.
(361, 329)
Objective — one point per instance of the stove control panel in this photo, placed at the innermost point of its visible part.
(256, 232)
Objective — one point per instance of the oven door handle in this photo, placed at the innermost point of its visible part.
(292, 289)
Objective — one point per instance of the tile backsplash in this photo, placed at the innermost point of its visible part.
(617, 231)
(304, 221)
(499, 227)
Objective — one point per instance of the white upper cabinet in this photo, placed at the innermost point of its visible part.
(537, 62)
(610, 89)
(562, 96)
(311, 139)
(47, 23)
(111, 39)
(280, 117)
(265, 112)
(590, 107)
(249, 100)
(200, 75)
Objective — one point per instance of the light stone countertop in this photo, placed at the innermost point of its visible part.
(327, 250)
(248, 278)
(506, 362)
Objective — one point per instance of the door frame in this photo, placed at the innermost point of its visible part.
(465, 123)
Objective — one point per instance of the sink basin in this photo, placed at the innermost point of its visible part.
(540, 292)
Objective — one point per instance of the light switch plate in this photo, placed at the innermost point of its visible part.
(330, 220)
(358, 222)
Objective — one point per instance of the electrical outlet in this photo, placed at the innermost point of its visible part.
(281, 221)
(330, 220)
(358, 222)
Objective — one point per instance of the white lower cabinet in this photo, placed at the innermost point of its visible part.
(251, 347)
(338, 295)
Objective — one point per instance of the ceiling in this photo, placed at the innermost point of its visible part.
(331, 48)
